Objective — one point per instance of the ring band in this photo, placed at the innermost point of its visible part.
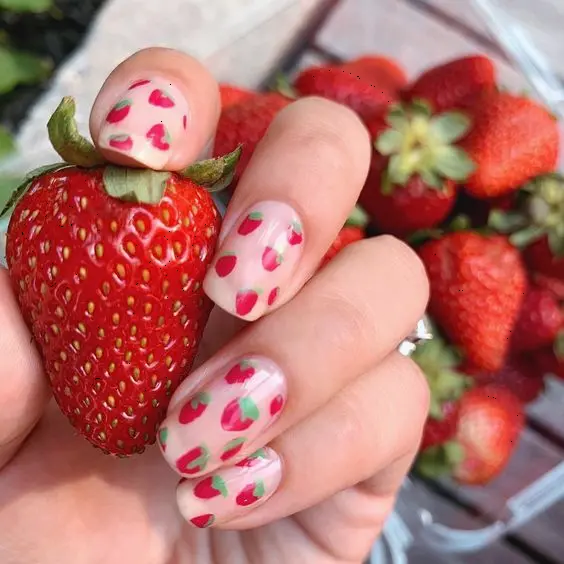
(421, 333)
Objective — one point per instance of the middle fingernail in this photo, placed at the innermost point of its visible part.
(256, 259)
(205, 430)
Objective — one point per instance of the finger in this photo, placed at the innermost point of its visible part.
(334, 330)
(23, 387)
(158, 109)
(293, 199)
(369, 426)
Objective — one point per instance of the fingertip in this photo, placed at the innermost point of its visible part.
(158, 109)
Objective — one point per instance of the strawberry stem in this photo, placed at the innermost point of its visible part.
(214, 174)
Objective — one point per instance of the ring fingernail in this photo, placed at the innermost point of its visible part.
(227, 494)
(256, 260)
(146, 122)
(211, 427)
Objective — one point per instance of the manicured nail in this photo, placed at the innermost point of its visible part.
(146, 122)
(256, 259)
(230, 492)
(212, 427)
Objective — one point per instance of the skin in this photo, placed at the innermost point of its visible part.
(349, 431)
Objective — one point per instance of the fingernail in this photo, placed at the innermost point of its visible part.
(212, 427)
(230, 492)
(146, 122)
(256, 259)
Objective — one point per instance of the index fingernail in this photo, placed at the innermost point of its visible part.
(146, 122)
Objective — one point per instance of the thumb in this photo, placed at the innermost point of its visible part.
(158, 109)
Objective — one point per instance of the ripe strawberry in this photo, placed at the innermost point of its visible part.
(490, 420)
(554, 285)
(348, 235)
(440, 429)
(445, 86)
(539, 321)
(512, 140)
(246, 123)
(232, 95)
(411, 184)
(246, 300)
(477, 287)
(88, 250)
(379, 71)
(345, 87)
(520, 374)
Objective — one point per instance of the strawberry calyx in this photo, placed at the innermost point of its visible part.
(540, 212)
(357, 218)
(282, 85)
(127, 184)
(439, 362)
(440, 460)
(420, 143)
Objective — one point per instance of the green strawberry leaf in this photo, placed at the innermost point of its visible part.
(506, 221)
(389, 142)
(441, 460)
(453, 162)
(397, 118)
(259, 489)
(71, 146)
(525, 237)
(357, 218)
(449, 127)
(214, 174)
(35, 6)
(136, 184)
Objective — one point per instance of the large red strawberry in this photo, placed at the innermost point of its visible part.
(346, 87)
(348, 235)
(239, 414)
(411, 184)
(477, 286)
(490, 420)
(445, 86)
(539, 321)
(232, 95)
(246, 123)
(513, 139)
(88, 250)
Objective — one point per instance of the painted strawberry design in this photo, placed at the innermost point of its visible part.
(241, 372)
(239, 414)
(211, 487)
(119, 112)
(193, 461)
(245, 301)
(232, 448)
(159, 137)
(253, 459)
(122, 142)
(273, 296)
(203, 521)
(276, 405)
(139, 83)
(194, 408)
(251, 223)
(250, 494)
(225, 264)
(295, 235)
(160, 99)
(163, 437)
(271, 259)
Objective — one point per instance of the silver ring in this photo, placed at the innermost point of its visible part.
(420, 334)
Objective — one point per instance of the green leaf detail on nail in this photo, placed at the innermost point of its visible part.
(122, 104)
(219, 484)
(249, 408)
(260, 453)
(163, 436)
(255, 215)
(201, 398)
(259, 489)
(202, 461)
(234, 443)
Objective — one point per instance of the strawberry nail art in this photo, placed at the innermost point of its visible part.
(257, 257)
(205, 430)
(232, 491)
(146, 123)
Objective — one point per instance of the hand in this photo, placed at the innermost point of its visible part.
(339, 410)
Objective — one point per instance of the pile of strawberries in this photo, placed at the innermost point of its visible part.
(464, 171)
